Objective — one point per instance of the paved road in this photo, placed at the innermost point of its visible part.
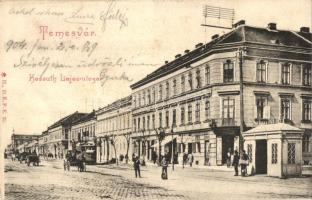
(49, 181)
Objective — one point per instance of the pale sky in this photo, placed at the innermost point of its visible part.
(156, 31)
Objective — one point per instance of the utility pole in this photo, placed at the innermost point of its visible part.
(241, 94)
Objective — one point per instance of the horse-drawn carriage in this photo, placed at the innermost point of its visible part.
(75, 158)
(22, 157)
(32, 158)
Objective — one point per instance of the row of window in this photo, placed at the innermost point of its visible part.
(285, 74)
(227, 113)
(285, 108)
(148, 96)
(113, 124)
(148, 122)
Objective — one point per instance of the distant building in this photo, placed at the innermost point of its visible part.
(113, 128)
(197, 100)
(19, 139)
(58, 134)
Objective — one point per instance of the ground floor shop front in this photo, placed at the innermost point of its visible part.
(207, 147)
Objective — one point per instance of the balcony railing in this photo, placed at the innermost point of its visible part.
(224, 122)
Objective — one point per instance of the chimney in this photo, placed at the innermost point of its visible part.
(237, 24)
(198, 45)
(215, 36)
(166, 62)
(186, 51)
(178, 56)
(305, 29)
(272, 26)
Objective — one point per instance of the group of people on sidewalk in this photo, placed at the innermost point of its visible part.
(237, 160)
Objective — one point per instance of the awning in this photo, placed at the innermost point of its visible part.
(165, 141)
(90, 151)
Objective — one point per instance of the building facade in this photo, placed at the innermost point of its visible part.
(58, 135)
(18, 141)
(204, 99)
(113, 131)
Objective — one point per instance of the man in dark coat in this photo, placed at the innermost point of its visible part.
(236, 162)
(136, 165)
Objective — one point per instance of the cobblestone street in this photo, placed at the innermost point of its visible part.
(49, 181)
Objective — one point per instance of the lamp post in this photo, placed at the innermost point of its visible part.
(181, 134)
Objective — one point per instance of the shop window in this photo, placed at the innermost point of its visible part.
(274, 153)
(291, 153)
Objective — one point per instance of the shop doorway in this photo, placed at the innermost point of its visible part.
(189, 149)
(227, 144)
(261, 156)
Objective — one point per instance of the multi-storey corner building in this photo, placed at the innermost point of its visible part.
(113, 130)
(204, 98)
(58, 134)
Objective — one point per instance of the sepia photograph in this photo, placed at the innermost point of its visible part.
(155, 99)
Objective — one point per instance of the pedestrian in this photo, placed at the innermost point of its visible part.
(190, 159)
(244, 161)
(126, 158)
(228, 158)
(184, 159)
(154, 157)
(133, 158)
(235, 162)
(164, 171)
(136, 165)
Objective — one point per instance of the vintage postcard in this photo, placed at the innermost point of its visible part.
(156, 99)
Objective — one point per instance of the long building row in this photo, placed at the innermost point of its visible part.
(201, 101)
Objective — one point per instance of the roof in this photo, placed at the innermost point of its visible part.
(85, 118)
(273, 128)
(68, 119)
(241, 35)
(123, 102)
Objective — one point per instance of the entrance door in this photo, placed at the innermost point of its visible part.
(261, 156)
(227, 145)
(189, 149)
